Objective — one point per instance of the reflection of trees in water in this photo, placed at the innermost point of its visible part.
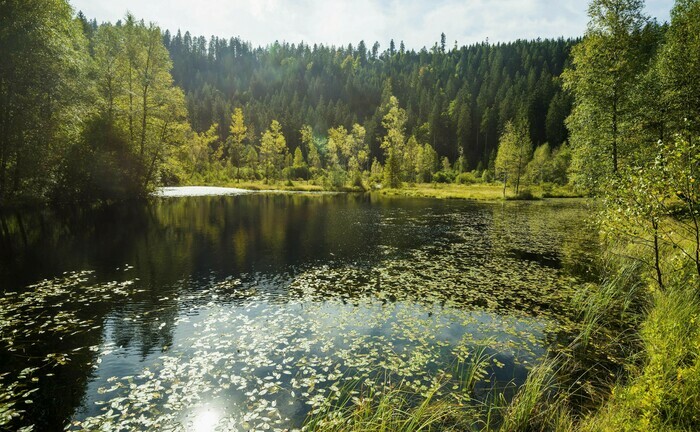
(180, 247)
(551, 233)
(42, 244)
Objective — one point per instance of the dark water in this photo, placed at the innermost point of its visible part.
(253, 311)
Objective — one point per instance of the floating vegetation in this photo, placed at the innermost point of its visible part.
(49, 310)
(454, 317)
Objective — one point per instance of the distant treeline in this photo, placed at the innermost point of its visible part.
(457, 99)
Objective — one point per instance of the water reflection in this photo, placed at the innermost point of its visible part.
(226, 292)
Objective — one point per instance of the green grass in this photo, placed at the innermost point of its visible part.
(398, 408)
(391, 409)
(540, 404)
(663, 390)
(479, 191)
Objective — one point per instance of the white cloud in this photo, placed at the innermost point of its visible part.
(339, 22)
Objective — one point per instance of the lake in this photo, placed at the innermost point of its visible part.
(253, 311)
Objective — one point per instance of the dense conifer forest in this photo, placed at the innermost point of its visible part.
(457, 99)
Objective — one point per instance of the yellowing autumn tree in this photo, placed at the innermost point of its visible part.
(273, 148)
(235, 142)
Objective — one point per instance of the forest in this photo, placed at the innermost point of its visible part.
(149, 108)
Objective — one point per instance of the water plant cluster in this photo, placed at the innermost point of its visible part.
(460, 319)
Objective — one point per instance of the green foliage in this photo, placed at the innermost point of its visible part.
(651, 207)
(443, 177)
(548, 166)
(445, 94)
(314, 158)
(514, 153)
(299, 168)
(537, 406)
(679, 68)
(392, 170)
(662, 393)
(391, 409)
(602, 79)
(335, 178)
(393, 143)
(139, 121)
(273, 148)
(376, 173)
(138, 117)
(337, 138)
(235, 141)
(44, 95)
(537, 170)
(426, 163)
(468, 178)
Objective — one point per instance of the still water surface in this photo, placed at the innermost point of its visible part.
(252, 311)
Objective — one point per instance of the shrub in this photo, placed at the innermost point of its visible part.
(467, 178)
(547, 189)
(357, 180)
(335, 179)
(525, 194)
(443, 177)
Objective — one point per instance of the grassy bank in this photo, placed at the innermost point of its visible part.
(479, 191)
(660, 390)
(646, 376)
(292, 186)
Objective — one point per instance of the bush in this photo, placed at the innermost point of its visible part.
(357, 180)
(467, 178)
(547, 189)
(335, 179)
(300, 172)
(525, 194)
(443, 177)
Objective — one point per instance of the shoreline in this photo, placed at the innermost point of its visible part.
(474, 192)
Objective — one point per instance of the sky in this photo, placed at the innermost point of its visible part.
(339, 22)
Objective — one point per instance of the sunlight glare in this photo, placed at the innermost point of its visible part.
(205, 420)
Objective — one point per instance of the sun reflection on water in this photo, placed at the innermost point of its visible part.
(204, 419)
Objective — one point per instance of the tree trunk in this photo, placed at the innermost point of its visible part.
(131, 104)
(657, 263)
(155, 155)
(146, 84)
(614, 127)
